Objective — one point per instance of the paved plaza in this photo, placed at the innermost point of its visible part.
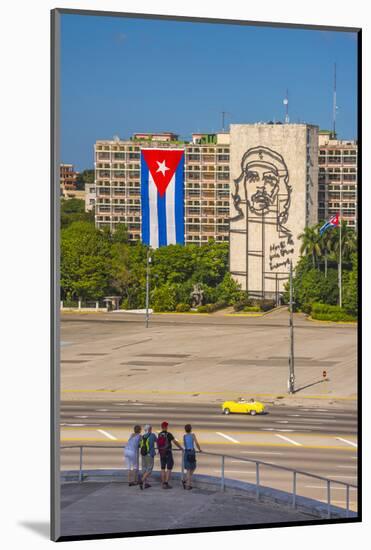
(204, 358)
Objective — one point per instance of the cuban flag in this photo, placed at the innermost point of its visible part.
(332, 222)
(162, 196)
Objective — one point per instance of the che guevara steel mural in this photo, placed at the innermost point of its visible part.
(262, 195)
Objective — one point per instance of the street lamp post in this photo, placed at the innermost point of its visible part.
(291, 380)
(340, 253)
(147, 286)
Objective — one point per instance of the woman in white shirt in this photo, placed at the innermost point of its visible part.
(131, 453)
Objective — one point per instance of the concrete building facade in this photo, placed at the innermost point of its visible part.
(337, 179)
(274, 196)
(207, 186)
(67, 181)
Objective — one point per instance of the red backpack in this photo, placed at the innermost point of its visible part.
(163, 443)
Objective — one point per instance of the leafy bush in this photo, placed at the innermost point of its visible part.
(350, 296)
(325, 312)
(228, 291)
(306, 308)
(242, 302)
(340, 316)
(182, 307)
(311, 285)
(251, 308)
(163, 298)
(203, 309)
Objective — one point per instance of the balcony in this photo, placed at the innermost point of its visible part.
(208, 158)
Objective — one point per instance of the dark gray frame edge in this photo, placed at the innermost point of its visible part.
(55, 271)
(199, 19)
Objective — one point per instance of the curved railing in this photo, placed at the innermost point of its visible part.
(258, 464)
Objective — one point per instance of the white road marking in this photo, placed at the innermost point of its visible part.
(289, 440)
(102, 410)
(347, 441)
(227, 437)
(260, 453)
(82, 416)
(294, 415)
(282, 421)
(110, 436)
(318, 420)
(74, 425)
(351, 467)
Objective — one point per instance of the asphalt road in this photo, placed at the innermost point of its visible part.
(318, 441)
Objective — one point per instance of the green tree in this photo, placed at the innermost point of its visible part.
(311, 243)
(228, 290)
(73, 210)
(86, 176)
(350, 294)
(211, 263)
(311, 285)
(121, 234)
(164, 298)
(85, 262)
(348, 242)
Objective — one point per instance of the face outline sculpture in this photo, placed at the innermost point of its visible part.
(264, 179)
(263, 186)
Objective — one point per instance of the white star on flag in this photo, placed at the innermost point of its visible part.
(162, 167)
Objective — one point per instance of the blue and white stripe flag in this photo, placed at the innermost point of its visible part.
(162, 196)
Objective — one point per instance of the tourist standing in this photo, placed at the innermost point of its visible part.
(190, 442)
(148, 452)
(164, 445)
(131, 453)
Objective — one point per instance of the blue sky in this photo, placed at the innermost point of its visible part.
(120, 76)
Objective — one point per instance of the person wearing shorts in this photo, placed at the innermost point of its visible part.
(147, 442)
(190, 441)
(131, 453)
(166, 454)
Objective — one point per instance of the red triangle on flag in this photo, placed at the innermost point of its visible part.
(162, 164)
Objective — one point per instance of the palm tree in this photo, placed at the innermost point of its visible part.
(327, 246)
(311, 243)
(348, 242)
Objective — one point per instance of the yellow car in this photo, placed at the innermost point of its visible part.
(242, 406)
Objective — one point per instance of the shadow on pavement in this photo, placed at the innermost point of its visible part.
(312, 384)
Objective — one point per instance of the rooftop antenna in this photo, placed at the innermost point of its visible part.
(223, 119)
(286, 103)
(334, 107)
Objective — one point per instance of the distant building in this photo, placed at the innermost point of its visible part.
(117, 183)
(274, 191)
(90, 196)
(337, 178)
(67, 180)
